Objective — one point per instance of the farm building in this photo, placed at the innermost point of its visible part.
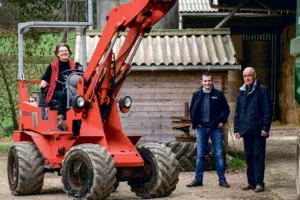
(166, 70)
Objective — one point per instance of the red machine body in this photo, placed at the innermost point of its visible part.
(99, 86)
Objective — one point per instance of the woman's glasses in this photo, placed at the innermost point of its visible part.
(63, 51)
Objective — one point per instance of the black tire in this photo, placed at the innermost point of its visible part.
(186, 154)
(210, 163)
(88, 172)
(298, 168)
(116, 185)
(25, 169)
(163, 171)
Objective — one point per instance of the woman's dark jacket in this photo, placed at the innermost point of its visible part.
(218, 108)
(253, 110)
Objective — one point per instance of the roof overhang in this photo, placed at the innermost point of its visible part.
(224, 14)
(286, 6)
(252, 7)
(175, 50)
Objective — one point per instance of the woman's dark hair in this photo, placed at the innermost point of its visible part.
(61, 45)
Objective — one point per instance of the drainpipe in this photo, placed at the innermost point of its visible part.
(90, 13)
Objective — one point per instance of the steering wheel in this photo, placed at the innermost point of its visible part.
(63, 76)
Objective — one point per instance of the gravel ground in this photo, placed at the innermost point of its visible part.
(279, 178)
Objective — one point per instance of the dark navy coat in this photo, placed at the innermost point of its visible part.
(253, 110)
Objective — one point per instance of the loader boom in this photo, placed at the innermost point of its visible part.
(138, 16)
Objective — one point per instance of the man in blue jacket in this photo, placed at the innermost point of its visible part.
(252, 121)
(209, 112)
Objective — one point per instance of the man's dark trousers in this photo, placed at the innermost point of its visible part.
(216, 137)
(255, 150)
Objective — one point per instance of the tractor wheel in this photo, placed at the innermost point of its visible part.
(210, 163)
(298, 168)
(186, 154)
(162, 171)
(25, 169)
(116, 185)
(88, 172)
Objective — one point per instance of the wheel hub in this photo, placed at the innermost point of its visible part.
(78, 174)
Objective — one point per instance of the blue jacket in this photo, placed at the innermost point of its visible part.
(218, 109)
(253, 110)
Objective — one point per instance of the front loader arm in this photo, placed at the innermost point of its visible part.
(138, 16)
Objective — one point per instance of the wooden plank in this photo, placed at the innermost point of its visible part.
(158, 90)
(139, 120)
(180, 121)
(154, 114)
(156, 102)
(144, 121)
(135, 131)
(162, 83)
(149, 108)
(168, 96)
(175, 123)
(180, 118)
(181, 126)
(174, 83)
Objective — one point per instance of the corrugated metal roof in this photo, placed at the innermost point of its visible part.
(173, 49)
(190, 6)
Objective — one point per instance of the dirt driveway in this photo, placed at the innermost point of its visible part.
(279, 178)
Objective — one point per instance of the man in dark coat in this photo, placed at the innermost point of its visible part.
(209, 112)
(252, 121)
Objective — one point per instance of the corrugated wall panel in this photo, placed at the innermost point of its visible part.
(189, 6)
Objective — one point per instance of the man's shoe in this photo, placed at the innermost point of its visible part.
(248, 187)
(224, 184)
(259, 188)
(195, 184)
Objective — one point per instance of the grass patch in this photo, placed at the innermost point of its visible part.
(236, 161)
(4, 148)
(236, 164)
(5, 137)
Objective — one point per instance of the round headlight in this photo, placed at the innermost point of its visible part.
(127, 102)
(80, 101)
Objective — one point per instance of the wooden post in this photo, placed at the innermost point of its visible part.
(186, 109)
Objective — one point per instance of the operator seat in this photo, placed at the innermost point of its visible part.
(71, 88)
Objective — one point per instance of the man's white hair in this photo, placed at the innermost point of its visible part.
(249, 68)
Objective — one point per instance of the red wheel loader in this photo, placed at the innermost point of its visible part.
(94, 154)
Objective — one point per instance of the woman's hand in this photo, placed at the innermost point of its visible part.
(43, 84)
